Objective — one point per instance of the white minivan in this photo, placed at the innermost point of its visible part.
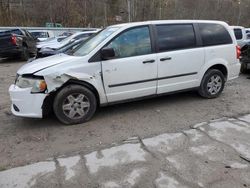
(126, 62)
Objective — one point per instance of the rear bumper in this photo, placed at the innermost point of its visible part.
(10, 51)
(234, 71)
(26, 104)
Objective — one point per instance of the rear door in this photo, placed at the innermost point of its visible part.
(133, 71)
(180, 57)
(31, 42)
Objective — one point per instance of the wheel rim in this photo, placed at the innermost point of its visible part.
(214, 84)
(76, 106)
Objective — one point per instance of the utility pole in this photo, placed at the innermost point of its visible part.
(160, 16)
(105, 14)
(129, 10)
(239, 15)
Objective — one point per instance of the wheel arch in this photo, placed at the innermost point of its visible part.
(47, 106)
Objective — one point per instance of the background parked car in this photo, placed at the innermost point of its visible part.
(56, 44)
(50, 41)
(17, 43)
(42, 35)
(71, 38)
(245, 58)
(45, 52)
(240, 34)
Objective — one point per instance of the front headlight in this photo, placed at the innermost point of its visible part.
(38, 85)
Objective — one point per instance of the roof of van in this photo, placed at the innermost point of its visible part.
(169, 22)
(237, 27)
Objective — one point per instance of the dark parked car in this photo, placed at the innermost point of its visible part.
(17, 43)
(45, 52)
(245, 58)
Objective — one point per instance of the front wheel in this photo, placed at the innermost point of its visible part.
(74, 104)
(212, 84)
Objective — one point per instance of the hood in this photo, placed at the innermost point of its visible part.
(43, 63)
(54, 45)
(46, 43)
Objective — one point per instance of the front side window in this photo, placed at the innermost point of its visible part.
(214, 34)
(175, 37)
(133, 42)
(91, 43)
(238, 34)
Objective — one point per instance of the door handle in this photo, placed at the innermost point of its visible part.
(166, 59)
(148, 61)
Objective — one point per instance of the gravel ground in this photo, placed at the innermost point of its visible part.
(29, 140)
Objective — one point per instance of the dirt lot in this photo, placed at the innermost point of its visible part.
(24, 141)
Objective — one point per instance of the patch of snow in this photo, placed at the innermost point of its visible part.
(111, 184)
(194, 135)
(199, 125)
(238, 165)
(69, 164)
(133, 176)
(245, 118)
(165, 181)
(165, 143)
(26, 176)
(123, 154)
(201, 150)
(232, 134)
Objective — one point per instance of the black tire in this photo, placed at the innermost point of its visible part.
(25, 54)
(74, 90)
(243, 68)
(204, 90)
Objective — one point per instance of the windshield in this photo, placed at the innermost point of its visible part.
(40, 34)
(94, 41)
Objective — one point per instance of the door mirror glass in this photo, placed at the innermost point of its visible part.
(107, 53)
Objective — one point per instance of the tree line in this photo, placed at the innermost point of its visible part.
(100, 13)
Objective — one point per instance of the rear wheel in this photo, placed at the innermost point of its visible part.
(25, 54)
(243, 68)
(74, 104)
(212, 84)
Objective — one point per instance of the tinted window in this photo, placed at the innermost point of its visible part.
(15, 31)
(132, 43)
(214, 34)
(83, 36)
(173, 37)
(238, 34)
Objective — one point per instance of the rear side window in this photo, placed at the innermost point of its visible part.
(175, 37)
(214, 34)
(238, 34)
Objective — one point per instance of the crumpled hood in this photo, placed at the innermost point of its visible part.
(43, 63)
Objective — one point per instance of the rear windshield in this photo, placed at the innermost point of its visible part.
(40, 34)
(238, 34)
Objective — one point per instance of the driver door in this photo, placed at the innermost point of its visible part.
(132, 73)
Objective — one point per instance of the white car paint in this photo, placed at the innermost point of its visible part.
(58, 69)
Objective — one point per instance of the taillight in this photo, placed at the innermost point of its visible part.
(238, 52)
(13, 40)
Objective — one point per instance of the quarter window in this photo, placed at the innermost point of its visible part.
(133, 42)
(214, 34)
(175, 37)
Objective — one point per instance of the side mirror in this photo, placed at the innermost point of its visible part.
(107, 53)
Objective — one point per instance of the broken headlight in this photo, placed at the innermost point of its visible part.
(38, 85)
